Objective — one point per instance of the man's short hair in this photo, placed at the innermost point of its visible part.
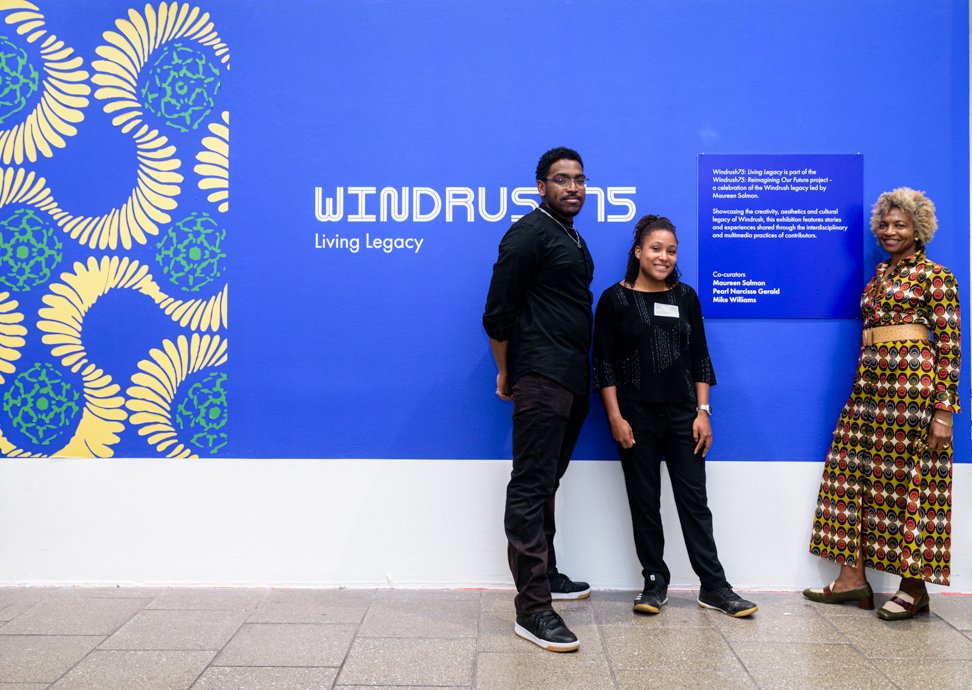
(552, 156)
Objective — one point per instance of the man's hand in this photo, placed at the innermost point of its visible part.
(500, 348)
(503, 389)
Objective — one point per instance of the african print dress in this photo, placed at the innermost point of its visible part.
(879, 485)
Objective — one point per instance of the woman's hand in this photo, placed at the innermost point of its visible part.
(622, 433)
(940, 432)
(702, 432)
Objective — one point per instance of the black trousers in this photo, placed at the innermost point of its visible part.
(665, 431)
(547, 419)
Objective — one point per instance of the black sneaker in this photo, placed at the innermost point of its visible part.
(727, 601)
(546, 629)
(652, 598)
(562, 587)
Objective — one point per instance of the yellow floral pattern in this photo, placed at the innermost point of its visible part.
(213, 164)
(154, 387)
(65, 94)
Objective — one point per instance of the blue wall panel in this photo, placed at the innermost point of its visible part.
(331, 352)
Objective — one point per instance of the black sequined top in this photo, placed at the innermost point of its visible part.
(651, 345)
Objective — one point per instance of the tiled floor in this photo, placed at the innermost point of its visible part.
(268, 639)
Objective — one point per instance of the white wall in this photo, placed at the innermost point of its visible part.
(401, 523)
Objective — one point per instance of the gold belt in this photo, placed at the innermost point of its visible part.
(887, 334)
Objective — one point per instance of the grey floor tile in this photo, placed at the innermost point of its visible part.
(768, 602)
(499, 600)
(909, 673)
(287, 644)
(409, 661)
(636, 648)
(683, 680)
(496, 671)
(334, 596)
(23, 686)
(779, 622)
(423, 617)
(899, 639)
(308, 613)
(16, 600)
(398, 687)
(41, 658)
(579, 608)
(176, 630)
(386, 595)
(74, 616)
(682, 610)
(313, 606)
(575, 613)
(954, 609)
(210, 599)
(802, 666)
(11, 610)
(496, 635)
(240, 678)
(134, 670)
(109, 592)
(10, 595)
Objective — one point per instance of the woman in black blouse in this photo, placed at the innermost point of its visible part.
(652, 367)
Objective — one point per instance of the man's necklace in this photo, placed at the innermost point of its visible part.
(575, 237)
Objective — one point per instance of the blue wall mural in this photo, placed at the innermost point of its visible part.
(380, 150)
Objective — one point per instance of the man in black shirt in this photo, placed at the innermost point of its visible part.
(538, 319)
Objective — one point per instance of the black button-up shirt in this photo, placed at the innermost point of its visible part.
(540, 301)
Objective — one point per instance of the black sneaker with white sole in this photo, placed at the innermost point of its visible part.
(562, 587)
(546, 629)
(727, 601)
(652, 598)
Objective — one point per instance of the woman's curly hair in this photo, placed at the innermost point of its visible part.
(920, 207)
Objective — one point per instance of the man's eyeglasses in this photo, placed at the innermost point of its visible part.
(566, 181)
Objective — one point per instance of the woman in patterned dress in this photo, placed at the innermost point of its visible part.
(885, 498)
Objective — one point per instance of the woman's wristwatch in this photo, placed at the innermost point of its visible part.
(704, 408)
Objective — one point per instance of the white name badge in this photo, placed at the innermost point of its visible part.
(666, 310)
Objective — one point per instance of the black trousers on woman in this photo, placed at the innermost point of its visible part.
(664, 431)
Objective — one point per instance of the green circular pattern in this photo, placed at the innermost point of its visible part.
(30, 249)
(18, 79)
(180, 85)
(191, 252)
(41, 404)
(201, 414)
